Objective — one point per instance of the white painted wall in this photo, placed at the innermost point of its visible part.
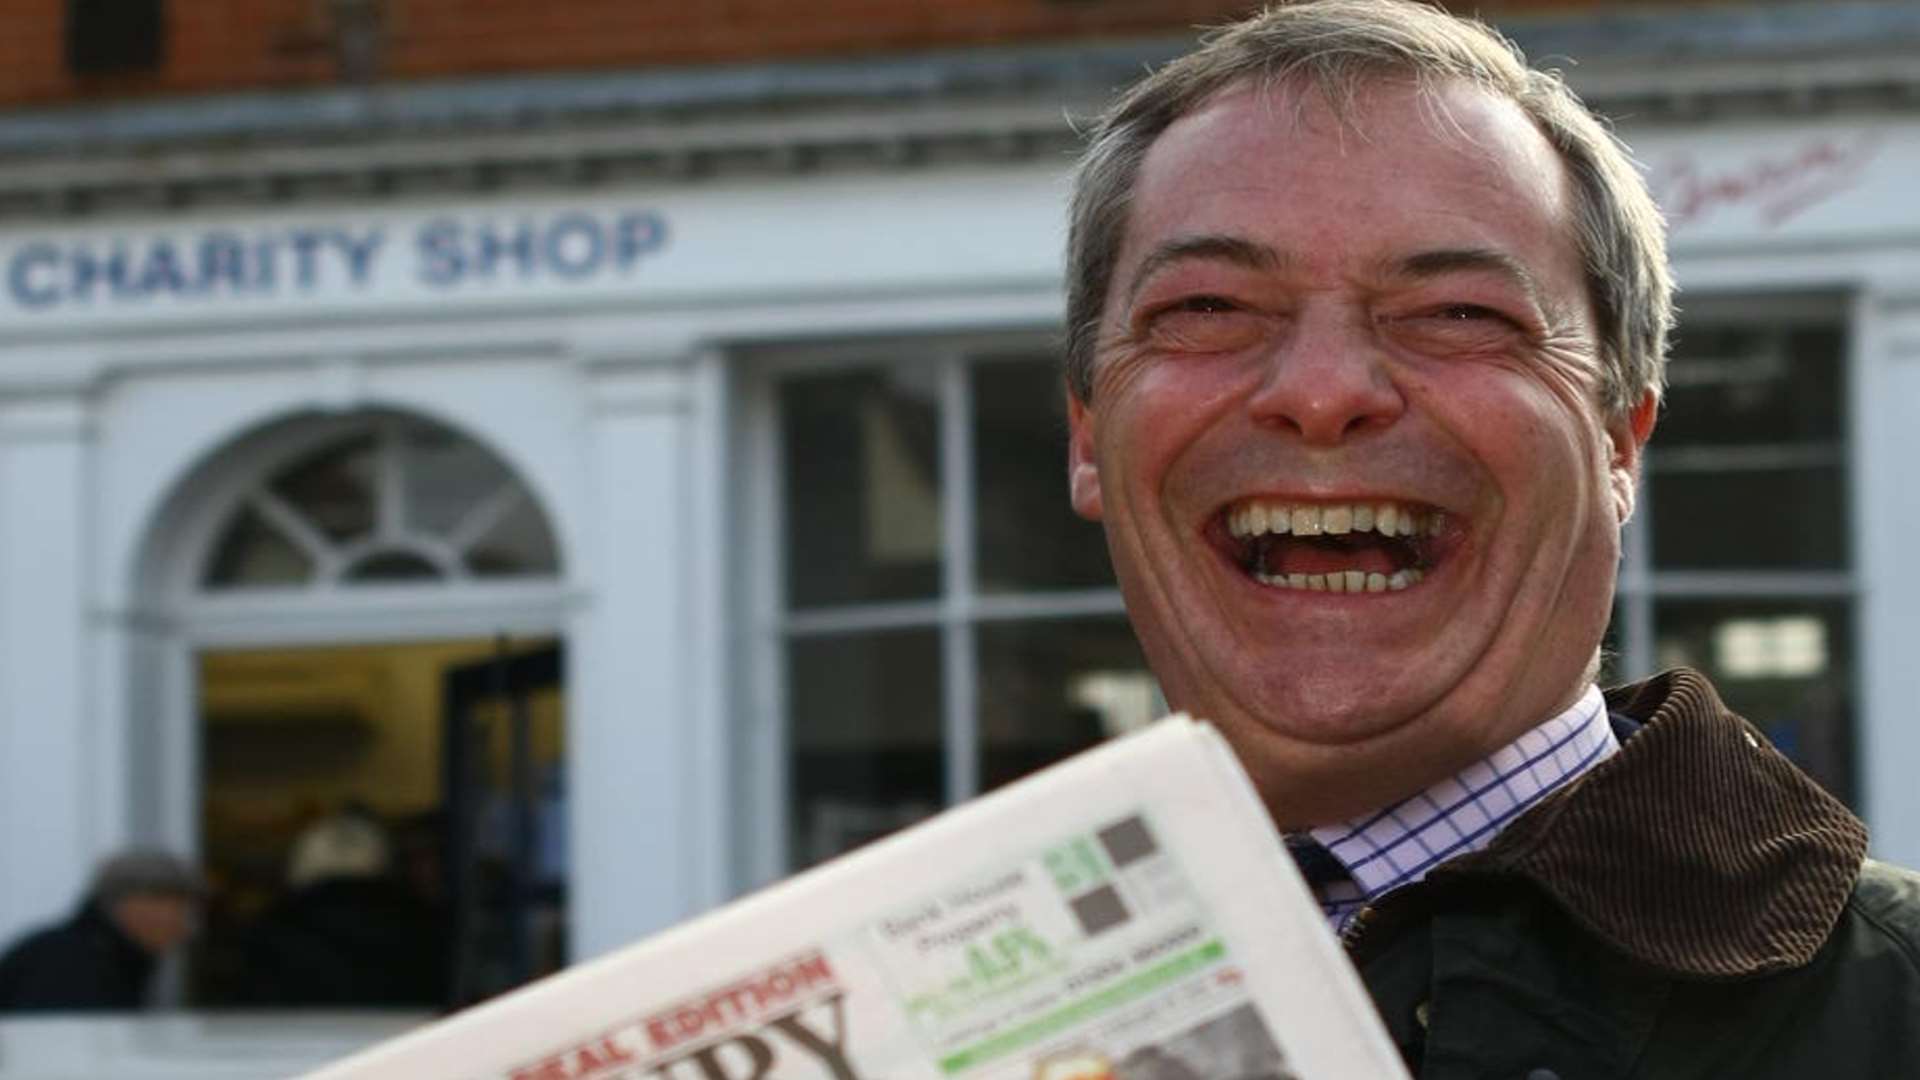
(635, 790)
(1886, 406)
(47, 735)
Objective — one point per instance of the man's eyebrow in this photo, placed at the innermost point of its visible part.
(1218, 247)
(1431, 264)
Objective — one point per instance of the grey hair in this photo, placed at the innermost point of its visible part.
(144, 871)
(1339, 47)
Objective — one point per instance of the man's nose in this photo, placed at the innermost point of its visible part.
(1327, 381)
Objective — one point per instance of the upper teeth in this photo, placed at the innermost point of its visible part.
(1386, 518)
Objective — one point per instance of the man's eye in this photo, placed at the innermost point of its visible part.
(1205, 324)
(1457, 328)
(1469, 313)
(1208, 305)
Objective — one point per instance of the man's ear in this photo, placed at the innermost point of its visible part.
(1627, 434)
(1083, 473)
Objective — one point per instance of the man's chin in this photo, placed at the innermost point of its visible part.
(1308, 783)
(1339, 750)
(1332, 711)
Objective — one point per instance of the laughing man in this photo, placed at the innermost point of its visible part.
(1367, 326)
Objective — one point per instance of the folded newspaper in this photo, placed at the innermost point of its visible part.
(1129, 914)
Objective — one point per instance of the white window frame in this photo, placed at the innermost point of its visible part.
(393, 532)
(1643, 585)
(955, 612)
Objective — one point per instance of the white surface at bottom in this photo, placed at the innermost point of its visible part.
(188, 1046)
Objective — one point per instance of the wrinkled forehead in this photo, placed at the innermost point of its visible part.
(1386, 112)
(1456, 159)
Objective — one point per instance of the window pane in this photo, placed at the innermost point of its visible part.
(387, 566)
(334, 489)
(253, 552)
(1749, 519)
(1028, 536)
(1786, 665)
(862, 457)
(1053, 687)
(866, 738)
(520, 544)
(1744, 384)
(1747, 469)
(445, 476)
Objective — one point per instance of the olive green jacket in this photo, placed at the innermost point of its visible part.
(1694, 906)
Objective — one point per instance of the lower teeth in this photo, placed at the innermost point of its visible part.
(1342, 581)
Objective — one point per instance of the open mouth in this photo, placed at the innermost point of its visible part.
(1359, 547)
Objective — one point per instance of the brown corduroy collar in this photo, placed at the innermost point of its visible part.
(1697, 848)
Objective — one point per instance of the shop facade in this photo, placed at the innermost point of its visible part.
(168, 382)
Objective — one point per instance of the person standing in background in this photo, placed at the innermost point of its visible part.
(142, 905)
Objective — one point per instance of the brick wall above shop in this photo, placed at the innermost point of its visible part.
(213, 46)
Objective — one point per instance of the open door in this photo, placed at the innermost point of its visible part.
(505, 781)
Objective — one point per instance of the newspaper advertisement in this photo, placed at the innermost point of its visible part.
(1106, 937)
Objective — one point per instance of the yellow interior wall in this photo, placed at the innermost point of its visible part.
(393, 692)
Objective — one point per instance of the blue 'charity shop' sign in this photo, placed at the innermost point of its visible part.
(282, 261)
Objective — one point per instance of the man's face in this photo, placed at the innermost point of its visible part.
(1356, 329)
(157, 922)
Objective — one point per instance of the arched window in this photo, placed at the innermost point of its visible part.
(398, 501)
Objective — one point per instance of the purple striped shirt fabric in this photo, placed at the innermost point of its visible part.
(1398, 845)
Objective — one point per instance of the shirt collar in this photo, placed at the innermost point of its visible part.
(1462, 813)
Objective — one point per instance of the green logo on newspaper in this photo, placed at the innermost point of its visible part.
(1012, 958)
(1132, 988)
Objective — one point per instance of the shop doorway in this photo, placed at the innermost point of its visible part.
(329, 585)
(382, 825)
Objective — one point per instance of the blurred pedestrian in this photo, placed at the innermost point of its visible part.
(141, 906)
(348, 933)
